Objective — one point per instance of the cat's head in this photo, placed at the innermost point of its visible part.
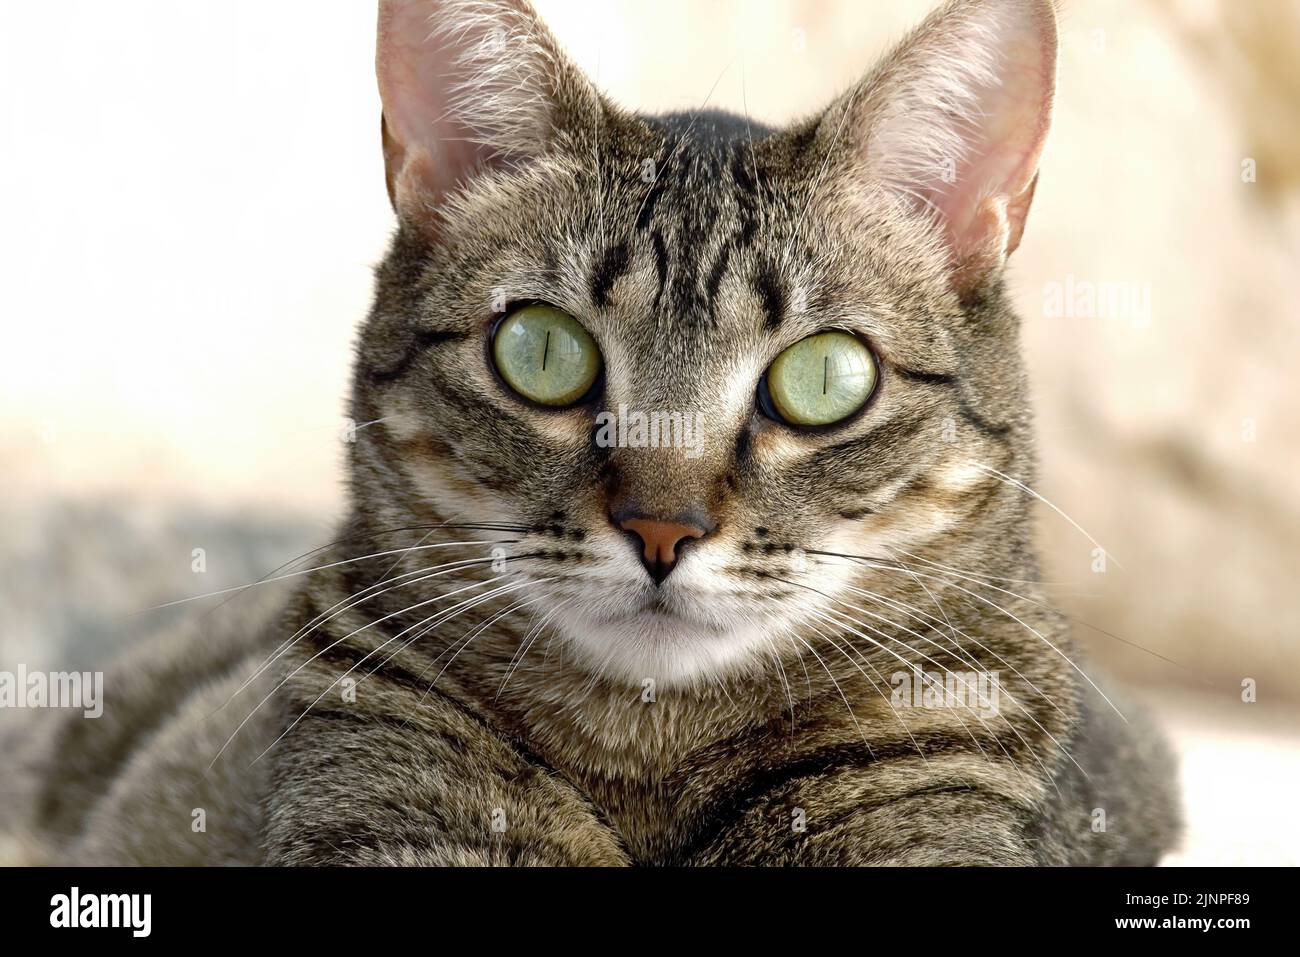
(698, 358)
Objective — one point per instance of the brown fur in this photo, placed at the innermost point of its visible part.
(476, 740)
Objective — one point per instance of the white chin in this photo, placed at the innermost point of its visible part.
(664, 648)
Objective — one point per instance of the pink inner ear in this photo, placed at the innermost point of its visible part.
(984, 210)
(956, 120)
(430, 149)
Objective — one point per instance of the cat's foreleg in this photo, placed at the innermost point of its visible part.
(402, 782)
(873, 816)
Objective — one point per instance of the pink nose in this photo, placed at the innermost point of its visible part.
(660, 542)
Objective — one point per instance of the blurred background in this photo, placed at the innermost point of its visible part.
(191, 200)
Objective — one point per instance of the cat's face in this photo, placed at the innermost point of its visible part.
(686, 499)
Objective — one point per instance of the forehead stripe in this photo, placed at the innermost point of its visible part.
(612, 265)
(715, 277)
(661, 264)
(772, 295)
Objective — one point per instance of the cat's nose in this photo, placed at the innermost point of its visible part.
(661, 541)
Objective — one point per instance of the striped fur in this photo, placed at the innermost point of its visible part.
(542, 702)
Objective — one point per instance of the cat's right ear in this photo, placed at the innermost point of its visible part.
(468, 85)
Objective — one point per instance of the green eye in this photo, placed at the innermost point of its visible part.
(820, 380)
(545, 355)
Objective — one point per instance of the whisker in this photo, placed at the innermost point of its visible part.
(843, 697)
(361, 597)
(776, 658)
(980, 575)
(1052, 505)
(1073, 618)
(897, 717)
(528, 643)
(465, 644)
(1010, 697)
(934, 683)
(480, 526)
(334, 644)
(910, 665)
(469, 635)
(1032, 630)
(338, 609)
(321, 568)
(888, 602)
(476, 600)
(928, 658)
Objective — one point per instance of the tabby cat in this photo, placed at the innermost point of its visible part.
(689, 507)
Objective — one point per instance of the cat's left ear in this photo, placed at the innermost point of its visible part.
(953, 123)
(469, 85)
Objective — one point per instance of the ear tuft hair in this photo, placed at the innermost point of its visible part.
(506, 65)
(467, 84)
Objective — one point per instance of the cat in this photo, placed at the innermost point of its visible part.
(810, 632)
